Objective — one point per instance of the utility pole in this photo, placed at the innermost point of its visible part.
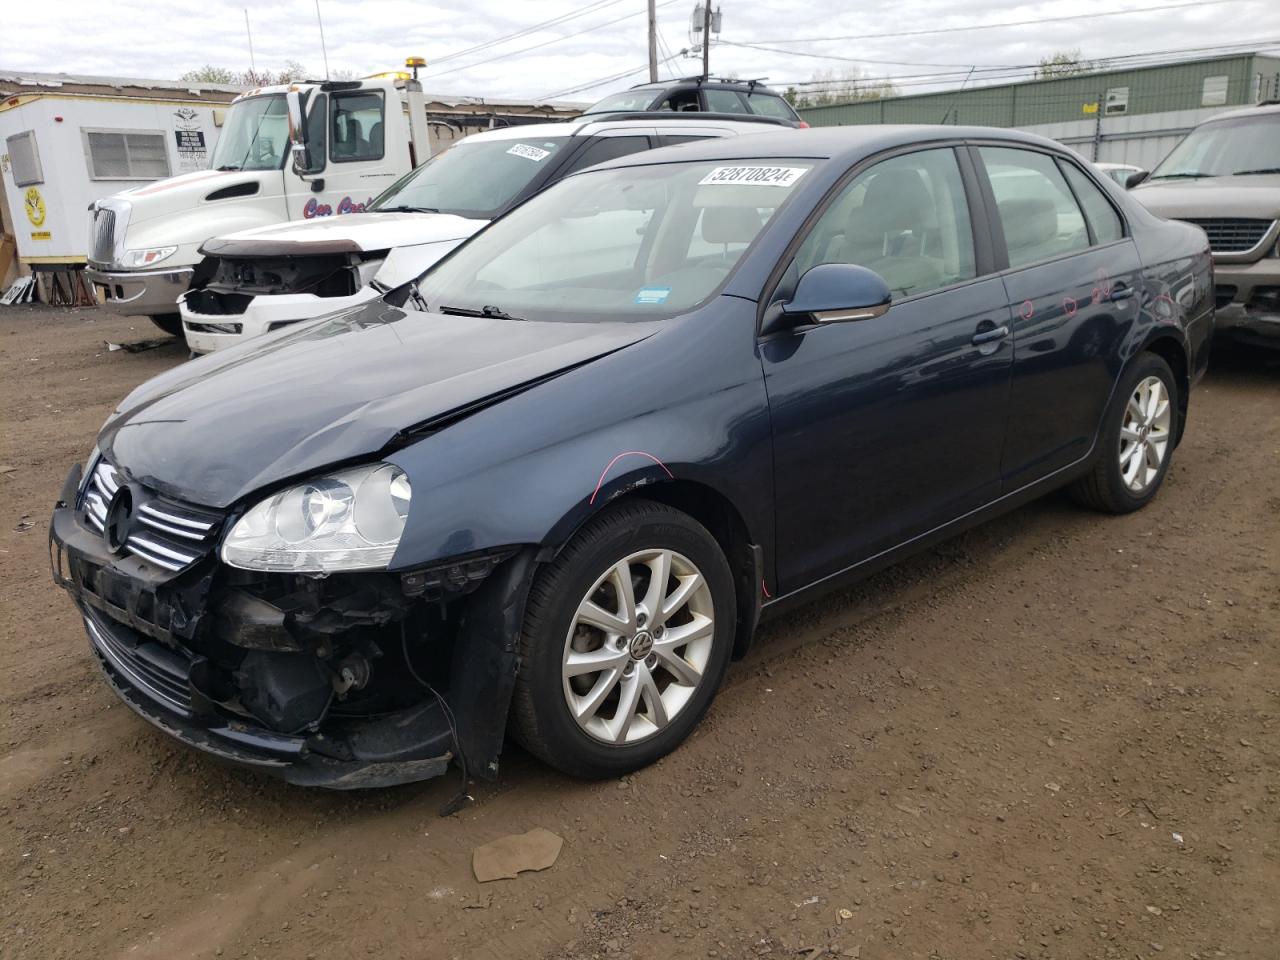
(653, 41)
(706, 40)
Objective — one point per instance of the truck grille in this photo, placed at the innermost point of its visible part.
(1234, 235)
(104, 236)
(168, 534)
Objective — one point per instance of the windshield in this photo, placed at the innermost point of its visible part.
(255, 135)
(1244, 146)
(629, 101)
(633, 243)
(770, 105)
(473, 179)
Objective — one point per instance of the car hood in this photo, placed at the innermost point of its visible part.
(219, 428)
(353, 231)
(1252, 197)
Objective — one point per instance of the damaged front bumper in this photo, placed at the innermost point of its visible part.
(312, 691)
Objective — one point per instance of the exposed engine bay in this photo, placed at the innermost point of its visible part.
(225, 285)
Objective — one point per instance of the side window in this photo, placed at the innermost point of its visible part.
(767, 105)
(905, 218)
(680, 101)
(355, 127)
(1106, 223)
(607, 148)
(1040, 216)
(725, 101)
(317, 125)
(671, 139)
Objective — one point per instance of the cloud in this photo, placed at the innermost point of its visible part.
(368, 36)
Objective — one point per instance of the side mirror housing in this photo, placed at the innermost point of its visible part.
(839, 292)
(1135, 178)
(298, 148)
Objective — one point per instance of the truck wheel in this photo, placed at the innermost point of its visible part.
(170, 323)
(1137, 440)
(627, 636)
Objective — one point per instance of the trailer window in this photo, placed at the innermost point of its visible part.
(355, 128)
(24, 158)
(126, 155)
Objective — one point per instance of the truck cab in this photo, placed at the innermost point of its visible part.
(359, 139)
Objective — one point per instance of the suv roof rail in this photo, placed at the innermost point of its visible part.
(752, 82)
(685, 115)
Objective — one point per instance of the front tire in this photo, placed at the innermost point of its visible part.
(627, 636)
(170, 323)
(1137, 440)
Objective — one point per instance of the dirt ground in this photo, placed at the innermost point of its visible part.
(1056, 736)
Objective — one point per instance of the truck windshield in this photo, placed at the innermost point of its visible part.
(627, 243)
(477, 179)
(255, 135)
(1248, 145)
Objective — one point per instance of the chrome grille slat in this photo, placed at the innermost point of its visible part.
(1234, 234)
(104, 235)
(165, 533)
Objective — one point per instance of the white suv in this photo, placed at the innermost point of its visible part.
(262, 279)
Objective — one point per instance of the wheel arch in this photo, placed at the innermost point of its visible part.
(722, 519)
(1167, 346)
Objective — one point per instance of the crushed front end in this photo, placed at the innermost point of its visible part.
(345, 680)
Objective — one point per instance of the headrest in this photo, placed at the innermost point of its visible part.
(1028, 221)
(730, 224)
(895, 200)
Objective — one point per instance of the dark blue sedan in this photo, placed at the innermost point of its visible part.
(553, 486)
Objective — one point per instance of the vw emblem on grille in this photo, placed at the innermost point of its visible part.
(119, 519)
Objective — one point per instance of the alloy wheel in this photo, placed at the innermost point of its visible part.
(1144, 434)
(638, 646)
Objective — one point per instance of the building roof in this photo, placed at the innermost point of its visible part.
(34, 82)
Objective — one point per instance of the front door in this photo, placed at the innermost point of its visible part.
(1073, 288)
(352, 158)
(889, 427)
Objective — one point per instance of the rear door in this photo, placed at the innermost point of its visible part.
(886, 428)
(1073, 281)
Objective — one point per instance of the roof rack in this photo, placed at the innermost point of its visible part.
(700, 80)
(690, 115)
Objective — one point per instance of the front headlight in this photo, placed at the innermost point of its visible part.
(349, 520)
(133, 259)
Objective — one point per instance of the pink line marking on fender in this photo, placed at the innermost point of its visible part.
(1028, 310)
(1069, 305)
(628, 453)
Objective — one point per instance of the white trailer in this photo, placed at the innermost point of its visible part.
(61, 148)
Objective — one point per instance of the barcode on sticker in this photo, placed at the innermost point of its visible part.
(759, 176)
(529, 153)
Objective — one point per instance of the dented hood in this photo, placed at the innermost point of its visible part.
(352, 232)
(219, 428)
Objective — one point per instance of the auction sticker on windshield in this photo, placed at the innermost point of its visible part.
(529, 153)
(761, 176)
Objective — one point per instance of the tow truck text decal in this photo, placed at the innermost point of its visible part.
(315, 208)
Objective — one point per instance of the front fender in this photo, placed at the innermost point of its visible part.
(687, 404)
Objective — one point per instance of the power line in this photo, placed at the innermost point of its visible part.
(603, 80)
(1014, 23)
(537, 46)
(525, 31)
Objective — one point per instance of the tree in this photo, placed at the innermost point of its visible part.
(849, 85)
(292, 71)
(210, 74)
(1064, 63)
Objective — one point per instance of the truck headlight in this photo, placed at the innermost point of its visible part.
(349, 520)
(133, 259)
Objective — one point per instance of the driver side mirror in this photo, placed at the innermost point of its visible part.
(298, 133)
(839, 292)
(1135, 178)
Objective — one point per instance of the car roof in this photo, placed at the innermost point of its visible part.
(600, 122)
(828, 143)
(1258, 110)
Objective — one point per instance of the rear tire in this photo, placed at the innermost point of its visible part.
(601, 692)
(170, 323)
(1137, 440)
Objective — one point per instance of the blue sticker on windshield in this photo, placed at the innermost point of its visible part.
(653, 295)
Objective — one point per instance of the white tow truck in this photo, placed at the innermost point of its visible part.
(358, 138)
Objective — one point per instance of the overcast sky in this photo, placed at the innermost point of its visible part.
(83, 37)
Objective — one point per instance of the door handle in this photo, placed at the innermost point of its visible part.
(990, 335)
(1120, 291)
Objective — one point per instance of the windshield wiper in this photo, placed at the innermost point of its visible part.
(1181, 176)
(486, 311)
(1245, 173)
(227, 167)
(405, 210)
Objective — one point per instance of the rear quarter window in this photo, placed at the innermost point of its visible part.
(769, 105)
